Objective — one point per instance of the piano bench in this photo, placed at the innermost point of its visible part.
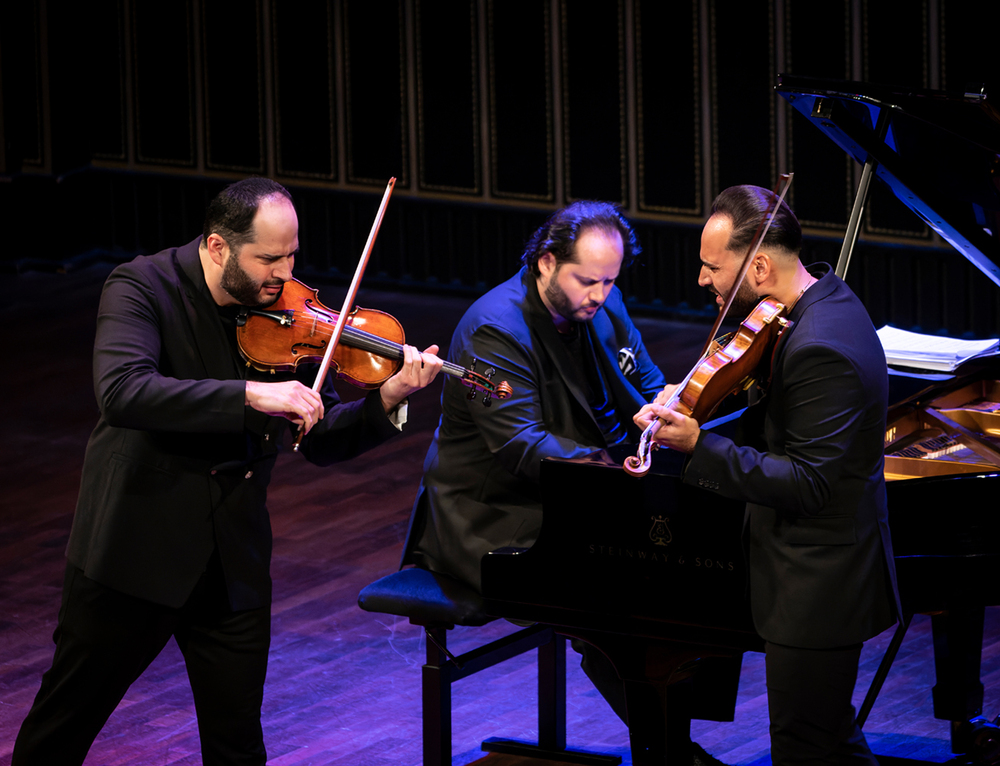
(438, 603)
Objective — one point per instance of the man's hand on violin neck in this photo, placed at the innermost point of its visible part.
(289, 399)
(645, 416)
(664, 396)
(678, 431)
(418, 370)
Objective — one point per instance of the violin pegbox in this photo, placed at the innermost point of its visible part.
(484, 382)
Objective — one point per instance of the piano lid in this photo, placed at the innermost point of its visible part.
(938, 152)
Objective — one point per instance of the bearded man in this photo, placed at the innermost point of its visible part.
(558, 332)
(171, 535)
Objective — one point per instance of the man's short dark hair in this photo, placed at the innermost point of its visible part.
(560, 232)
(231, 213)
(746, 206)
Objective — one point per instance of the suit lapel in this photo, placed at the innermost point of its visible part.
(605, 339)
(213, 346)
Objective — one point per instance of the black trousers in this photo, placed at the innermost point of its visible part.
(106, 639)
(809, 703)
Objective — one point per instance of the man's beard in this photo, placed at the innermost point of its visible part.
(560, 302)
(241, 286)
(745, 302)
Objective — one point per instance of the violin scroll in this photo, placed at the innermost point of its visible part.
(637, 465)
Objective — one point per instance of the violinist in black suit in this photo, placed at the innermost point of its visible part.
(171, 535)
(809, 463)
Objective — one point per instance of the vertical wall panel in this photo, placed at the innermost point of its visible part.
(520, 98)
(668, 101)
(162, 46)
(72, 30)
(376, 82)
(818, 45)
(969, 45)
(447, 95)
(305, 125)
(594, 100)
(895, 43)
(895, 53)
(234, 88)
(21, 68)
(175, 88)
(106, 89)
(743, 96)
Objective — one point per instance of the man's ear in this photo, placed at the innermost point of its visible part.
(762, 268)
(546, 265)
(218, 248)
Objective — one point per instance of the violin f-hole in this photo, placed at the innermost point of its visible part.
(311, 346)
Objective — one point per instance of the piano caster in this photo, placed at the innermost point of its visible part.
(978, 738)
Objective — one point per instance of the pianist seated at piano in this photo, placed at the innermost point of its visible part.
(808, 461)
(559, 334)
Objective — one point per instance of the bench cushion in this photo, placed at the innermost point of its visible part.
(426, 598)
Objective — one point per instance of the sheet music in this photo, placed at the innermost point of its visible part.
(932, 352)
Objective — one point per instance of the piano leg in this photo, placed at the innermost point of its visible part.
(958, 649)
(659, 727)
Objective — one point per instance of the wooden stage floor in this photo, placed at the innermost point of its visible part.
(343, 685)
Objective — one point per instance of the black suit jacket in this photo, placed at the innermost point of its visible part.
(480, 489)
(811, 470)
(177, 466)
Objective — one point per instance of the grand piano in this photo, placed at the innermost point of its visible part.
(651, 571)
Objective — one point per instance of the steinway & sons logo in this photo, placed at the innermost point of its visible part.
(661, 536)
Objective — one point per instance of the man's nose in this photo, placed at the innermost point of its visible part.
(282, 270)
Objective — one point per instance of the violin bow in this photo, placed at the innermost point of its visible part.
(638, 464)
(352, 292)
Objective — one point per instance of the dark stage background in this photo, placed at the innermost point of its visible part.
(119, 119)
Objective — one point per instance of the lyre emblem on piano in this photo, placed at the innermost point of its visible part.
(660, 533)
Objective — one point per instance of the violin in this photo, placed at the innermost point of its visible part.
(298, 328)
(730, 365)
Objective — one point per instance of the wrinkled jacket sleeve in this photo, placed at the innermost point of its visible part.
(515, 430)
(823, 405)
(347, 428)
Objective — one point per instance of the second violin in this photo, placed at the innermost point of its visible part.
(728, 367)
